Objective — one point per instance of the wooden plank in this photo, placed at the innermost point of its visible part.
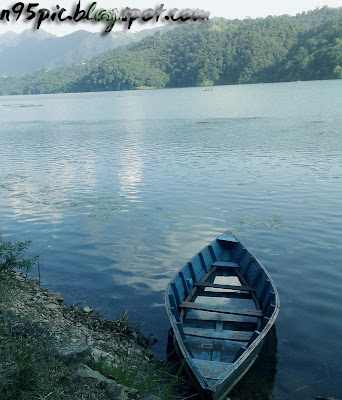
(225, 335)
(210, 382)
(212, 253)
(223, 293)
(244, 282)
(270, 310)
(212, 369)
(217, 348)
(203, 262)
(194, 290)
(186, 289)
(241, 254)
(205, 349)
(258, 276)
(228, 237)
(175, 293)
(194, 315)
(266, 288)
(225, 264)
(173, 307)
(219, 309)
(190, 284)
(192, 272)
(218, 286)
(255, 335)
(240, 352)
(264, 323)
(228, 302)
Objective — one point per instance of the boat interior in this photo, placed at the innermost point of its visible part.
(221, 301)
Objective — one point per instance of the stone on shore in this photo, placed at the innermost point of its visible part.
(70, 351)
(83, 371)
(52, 306)
(56, 296)
(118, 392)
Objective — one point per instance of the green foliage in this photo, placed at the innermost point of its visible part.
(21, 376)
(316, 55)
(28, 369)
(338, 72)
(307, 46)
(138, 372)
(12, 256)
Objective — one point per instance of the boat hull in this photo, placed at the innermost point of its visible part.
(221, 306)
(224, 389)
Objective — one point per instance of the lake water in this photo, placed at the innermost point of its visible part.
(118, 190)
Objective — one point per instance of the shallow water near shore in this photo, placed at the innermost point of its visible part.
(118, 190)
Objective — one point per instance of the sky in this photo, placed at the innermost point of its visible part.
(218, 8)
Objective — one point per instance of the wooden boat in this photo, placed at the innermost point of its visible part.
(221, 306)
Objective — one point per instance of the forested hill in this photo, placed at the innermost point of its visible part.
(32, 50)
(273, 49)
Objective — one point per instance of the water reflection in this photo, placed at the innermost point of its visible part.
(118, 191)
(258, 383)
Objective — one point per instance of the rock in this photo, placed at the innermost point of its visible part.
(56, 296)
(119, 392)
(52, 306)
(37, 329)
(97, 354)
(71, 352)
(87, 309)
(83, 371)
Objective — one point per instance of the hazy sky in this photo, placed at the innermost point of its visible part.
(219, 8)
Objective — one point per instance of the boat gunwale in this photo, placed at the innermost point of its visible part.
(247, 353)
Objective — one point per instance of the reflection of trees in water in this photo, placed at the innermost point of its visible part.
(257, 384)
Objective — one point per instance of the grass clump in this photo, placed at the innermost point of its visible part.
(12, 257)
(28, 370)
(27, 367)
(137, 371)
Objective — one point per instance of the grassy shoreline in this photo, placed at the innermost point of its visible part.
(52, 351)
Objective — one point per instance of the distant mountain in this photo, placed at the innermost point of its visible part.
(307, 46)
(33, 50)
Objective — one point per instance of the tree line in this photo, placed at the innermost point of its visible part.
(307, 46)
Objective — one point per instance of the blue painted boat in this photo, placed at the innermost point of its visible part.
(221, 306)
